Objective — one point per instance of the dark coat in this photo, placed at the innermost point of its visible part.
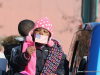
(19, 62)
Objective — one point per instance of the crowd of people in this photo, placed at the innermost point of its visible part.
(38, 53)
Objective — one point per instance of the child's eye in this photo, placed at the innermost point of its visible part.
(45, 31)
(37, 30)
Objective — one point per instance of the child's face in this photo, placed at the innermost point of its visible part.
(42, 31)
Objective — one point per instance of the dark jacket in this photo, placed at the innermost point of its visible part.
(19, 62)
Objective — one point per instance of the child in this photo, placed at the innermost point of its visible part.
(41, 55)
(23, 28)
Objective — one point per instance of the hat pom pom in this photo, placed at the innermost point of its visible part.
(29, 38)
(50, 43)
(46, 18)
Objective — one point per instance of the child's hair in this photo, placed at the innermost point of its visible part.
(25, 26)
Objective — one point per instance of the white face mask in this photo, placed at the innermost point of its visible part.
(41, 39)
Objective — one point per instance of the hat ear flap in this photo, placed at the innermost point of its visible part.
(50, 43)
(29, 38)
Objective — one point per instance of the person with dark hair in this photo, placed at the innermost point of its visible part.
(25, 26)
(40, 54)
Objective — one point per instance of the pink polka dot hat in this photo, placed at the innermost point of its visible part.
(43, 23)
